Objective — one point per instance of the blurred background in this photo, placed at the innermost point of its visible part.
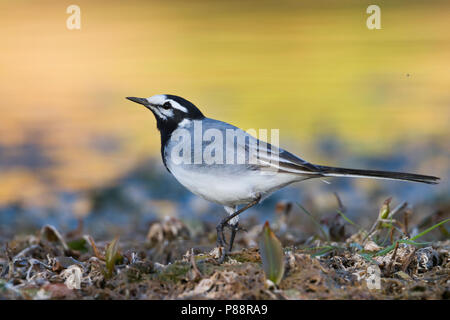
(72, 147)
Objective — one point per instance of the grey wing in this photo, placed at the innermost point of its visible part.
(260, 155)
(288, 161)
(284, 161)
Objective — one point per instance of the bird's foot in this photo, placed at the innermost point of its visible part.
(221, 240)
(234, 229)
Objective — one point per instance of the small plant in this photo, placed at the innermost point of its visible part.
(112, 256)
(272, 255)
(439, 224)
(385, 209)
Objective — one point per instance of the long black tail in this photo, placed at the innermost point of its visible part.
(375, 174)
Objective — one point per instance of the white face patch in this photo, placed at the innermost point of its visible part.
(159, 114)
(178, 106)
(167, 113)
(158, 99)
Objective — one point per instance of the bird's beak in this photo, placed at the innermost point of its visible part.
(142, 101)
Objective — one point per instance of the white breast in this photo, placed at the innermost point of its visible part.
(226, 189)
(218, 189)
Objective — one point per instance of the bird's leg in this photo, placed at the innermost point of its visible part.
(224, 222)
(220, 235)
(224, 238)
(234, 229)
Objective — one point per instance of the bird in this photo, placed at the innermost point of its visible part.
(238, 172)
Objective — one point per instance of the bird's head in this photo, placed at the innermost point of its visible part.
(169, 110)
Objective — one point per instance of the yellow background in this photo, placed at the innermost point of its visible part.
(309, 68)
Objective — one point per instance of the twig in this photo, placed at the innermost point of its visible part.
(394, 255)
(94, 248)
(24, 252)
(371, 231)
(10, 261)
(340, 204)
(406, 222)
(409, 260)
(391, 234)
(398, 209)
(197, 272)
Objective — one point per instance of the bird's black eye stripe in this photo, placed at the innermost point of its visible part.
(167, 105)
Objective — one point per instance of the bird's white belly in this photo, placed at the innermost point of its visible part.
(230, 190)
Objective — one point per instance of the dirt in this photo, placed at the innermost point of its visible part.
(172, 263)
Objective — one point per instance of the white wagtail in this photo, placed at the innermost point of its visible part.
(234, 183)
